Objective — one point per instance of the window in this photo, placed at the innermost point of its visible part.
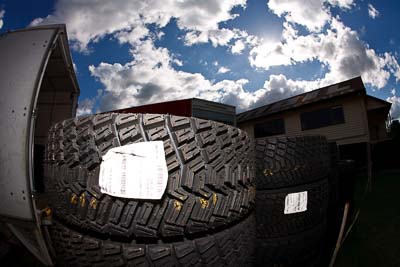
(269, 128)
(322, 118)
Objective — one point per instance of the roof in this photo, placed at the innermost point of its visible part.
(163, 107)
(343, 88)
(374, 103)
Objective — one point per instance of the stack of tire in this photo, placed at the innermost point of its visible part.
(291, 200)
(203, 218)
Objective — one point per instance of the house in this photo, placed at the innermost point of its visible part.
(342, 112)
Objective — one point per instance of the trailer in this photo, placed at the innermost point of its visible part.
(38, 87)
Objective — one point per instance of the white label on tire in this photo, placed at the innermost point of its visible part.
(137, 170)
(296, 202)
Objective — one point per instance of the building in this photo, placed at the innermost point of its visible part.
(192, 107)
(342, 112)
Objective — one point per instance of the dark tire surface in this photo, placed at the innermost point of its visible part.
(210, 175)
(290, 161)
(300, 250)
(234, 246)
(270, 206)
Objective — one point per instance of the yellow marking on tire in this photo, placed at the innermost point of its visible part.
(82, 200)
(178, 205)
(93, 203)
(204, 203)
(74, 199)
(215, 198)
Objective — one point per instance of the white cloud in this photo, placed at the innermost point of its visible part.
(150, 77)
(133, 35)
(269, 54)
(395, 110)
(393, 91)
(217, 37)
(278, 87)
(372, 11)
(2, 12)
(339, 48)
(223, 69)
(89, 21)
(312, 13)
(238, 47)
(85, 107)
(346, 4)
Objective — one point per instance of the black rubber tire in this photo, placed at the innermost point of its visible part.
(270, 205)
(300, 250)
(290, 161)
(234, 246)
(210, 175)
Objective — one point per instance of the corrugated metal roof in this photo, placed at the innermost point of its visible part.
(331, 91)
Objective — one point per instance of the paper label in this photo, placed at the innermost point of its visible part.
(137, 170)
(296, 202)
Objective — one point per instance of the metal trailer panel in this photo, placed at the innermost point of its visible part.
(32, 59)
(23, 56)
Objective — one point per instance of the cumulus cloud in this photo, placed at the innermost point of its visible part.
(395, 110)
(151, 77)
(223, 69)
(2, 12)
(372, 11)
(312, 14)
(345, 4)
(89, 21)
(338, 47)
(85, 107)
(279, 87)
(238, 47)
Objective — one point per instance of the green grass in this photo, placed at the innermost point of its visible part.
(375, 238)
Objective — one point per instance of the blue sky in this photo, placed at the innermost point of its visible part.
(244, 53)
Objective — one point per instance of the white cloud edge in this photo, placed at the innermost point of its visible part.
(372, 11)
(222, 70)
(2, 13)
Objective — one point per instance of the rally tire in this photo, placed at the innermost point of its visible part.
(234, 246)
(210, 175)
(270, 206)
(290, 161)
(299, 250)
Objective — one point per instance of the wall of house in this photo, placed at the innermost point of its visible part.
(377, 125)
(354, 130)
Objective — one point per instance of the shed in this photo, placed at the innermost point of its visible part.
(192, 107)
